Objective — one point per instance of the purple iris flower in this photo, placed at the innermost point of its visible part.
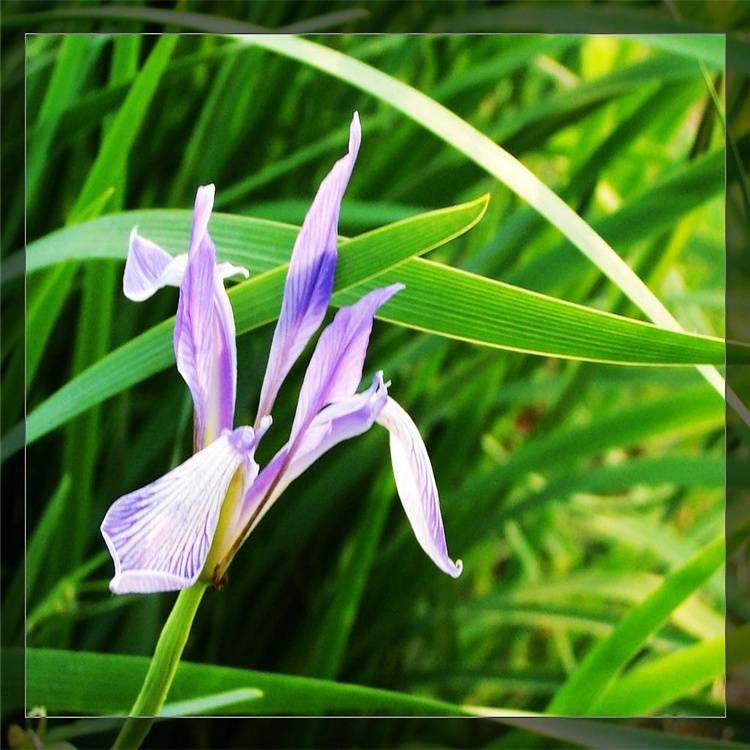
(190, 523)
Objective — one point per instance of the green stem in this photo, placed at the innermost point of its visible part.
(162, 669)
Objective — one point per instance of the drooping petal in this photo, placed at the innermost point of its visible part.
(309, 281)
(149, 267)
(416, 485)
(335, 367)
(159, 536)
(204, 344)
(338, 422)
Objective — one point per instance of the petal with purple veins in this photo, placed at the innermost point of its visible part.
(159, 536)
(335, 367)
(204, 204)
(338, 422)
(204, 344)
(309, 280)
(148, 268)
(416, 485)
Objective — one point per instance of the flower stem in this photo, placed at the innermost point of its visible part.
(162, 669)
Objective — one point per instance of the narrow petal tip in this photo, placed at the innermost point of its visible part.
(206, 193)
(355, 134)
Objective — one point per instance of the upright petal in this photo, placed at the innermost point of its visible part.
(149, 268)
(194, 332)
(309, 281)
(338, 422)
(159, 536)
(416, 486)
(204, 204)
(335, 367)
(204, 344)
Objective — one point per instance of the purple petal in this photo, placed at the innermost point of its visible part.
(338, 422)
(149, 268)
(204, 344)
(309, 281)
(159, 536)
(335, 367)
(416, 486)
(204, 203)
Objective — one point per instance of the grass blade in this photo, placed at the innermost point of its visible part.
(499, 163)
(255, 302)
(650, 688)
(598, 671)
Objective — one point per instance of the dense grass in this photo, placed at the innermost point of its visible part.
(586, 498)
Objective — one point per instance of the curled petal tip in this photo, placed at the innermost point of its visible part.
(265, 423)
(415, 482)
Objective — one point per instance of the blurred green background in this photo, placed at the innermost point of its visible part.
(571, 490)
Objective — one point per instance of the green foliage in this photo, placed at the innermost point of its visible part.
(585, 498)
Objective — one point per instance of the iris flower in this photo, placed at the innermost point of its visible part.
(190, 523)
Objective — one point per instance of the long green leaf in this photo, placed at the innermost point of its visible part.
(585, 687)
(481, 311)
(91, 683)
(255, 302)
(649, 688)
(49, 298)
(119, 138)
(24, 584)
(91, 344)
(498, 162)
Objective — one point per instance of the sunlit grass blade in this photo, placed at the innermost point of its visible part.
(598, 671)
(498, 162)
(650, 688)
(694, 616)
(443, 300)
(214, 703)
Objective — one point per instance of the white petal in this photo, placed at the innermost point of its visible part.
(416, 485)
(159, 536)
(227, 270)
(148, 268)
